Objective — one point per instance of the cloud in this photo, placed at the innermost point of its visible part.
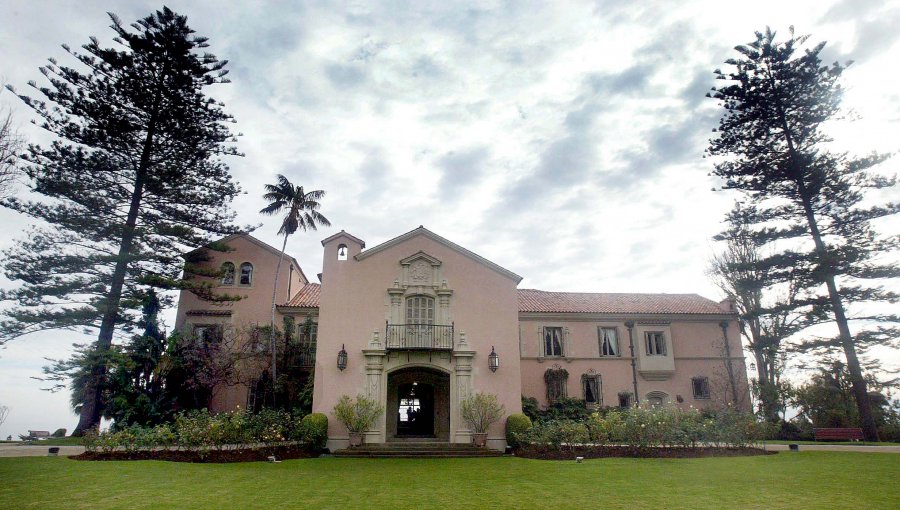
(462, 169)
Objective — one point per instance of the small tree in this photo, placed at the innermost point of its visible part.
(357, 415)
(480, 411)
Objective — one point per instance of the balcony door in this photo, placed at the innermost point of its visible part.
(419, 321)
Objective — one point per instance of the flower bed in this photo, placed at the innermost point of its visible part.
(662, 431)
(198, 436)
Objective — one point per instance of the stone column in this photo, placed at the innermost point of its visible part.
(462, 359)
(375, 355)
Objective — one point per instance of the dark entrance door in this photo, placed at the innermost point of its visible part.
(415, 413)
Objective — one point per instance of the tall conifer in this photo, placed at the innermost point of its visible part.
(806, 200)
(132, 179)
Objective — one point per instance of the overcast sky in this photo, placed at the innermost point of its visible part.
(561, 140)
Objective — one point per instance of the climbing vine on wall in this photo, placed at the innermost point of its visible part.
(556, 379)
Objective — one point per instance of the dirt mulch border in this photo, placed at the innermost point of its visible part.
(601, 452)
(212, 456)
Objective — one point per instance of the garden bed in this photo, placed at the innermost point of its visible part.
(656, 452)
(212, 456)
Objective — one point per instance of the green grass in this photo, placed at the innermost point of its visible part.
(839, 443)
(783, 481)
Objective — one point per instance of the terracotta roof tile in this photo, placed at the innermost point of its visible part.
(307, 297)
(531, 300)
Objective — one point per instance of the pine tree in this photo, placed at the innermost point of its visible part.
(133, 178)
(806, 199)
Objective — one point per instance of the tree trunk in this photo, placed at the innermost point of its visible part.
(90, 408)
(860, 392)
(272, 325)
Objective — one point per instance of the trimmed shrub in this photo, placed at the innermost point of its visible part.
(59, 433)
(516, 425)
(314, 430)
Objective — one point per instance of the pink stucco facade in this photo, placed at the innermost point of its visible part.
(419, 313)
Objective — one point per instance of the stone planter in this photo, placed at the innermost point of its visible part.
(479, 439)
(357, 439)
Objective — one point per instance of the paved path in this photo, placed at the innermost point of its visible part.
(835, 448)
(16, 450)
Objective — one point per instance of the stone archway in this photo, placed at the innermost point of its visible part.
(418, 405)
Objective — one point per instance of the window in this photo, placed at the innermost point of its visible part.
(625, 399)
(227, 273)
(556, 378)
(308, 333)
(420, 310)
(246, 273)
(700, 386)
(592, 388)
(657, 398)
(609, 341)
(342, 252)
(207, 333)
(656, 343)
(553, 341)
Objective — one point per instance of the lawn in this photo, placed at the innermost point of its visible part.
(839, 443)
(786, 480)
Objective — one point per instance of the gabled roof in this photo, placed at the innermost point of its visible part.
(306, 297)
(422, 231)
(532, 300)
(343, 233)
(261, 244)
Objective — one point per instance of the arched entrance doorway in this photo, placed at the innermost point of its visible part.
(418, 404)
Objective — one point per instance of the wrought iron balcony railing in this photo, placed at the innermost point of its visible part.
(419, 337)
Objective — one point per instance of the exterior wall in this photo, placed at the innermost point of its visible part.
(253, 309)
(355, 304)
(695, 348)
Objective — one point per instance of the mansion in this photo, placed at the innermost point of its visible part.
(421, 323)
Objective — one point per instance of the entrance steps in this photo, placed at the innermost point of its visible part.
(418, 449)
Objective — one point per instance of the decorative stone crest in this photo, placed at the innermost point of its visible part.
(420, 272)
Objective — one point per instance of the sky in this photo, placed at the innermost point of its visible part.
(561, 140)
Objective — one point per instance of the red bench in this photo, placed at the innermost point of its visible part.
(839, 434)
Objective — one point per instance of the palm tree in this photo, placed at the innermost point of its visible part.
(302, 214)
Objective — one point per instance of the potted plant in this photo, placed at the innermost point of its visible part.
(357, 415)
(480, 411)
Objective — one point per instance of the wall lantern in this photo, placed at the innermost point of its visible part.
(342, 359)
(493, 360)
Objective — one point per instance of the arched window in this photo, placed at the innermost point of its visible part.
(342, 252)
(657, 398)
(246, 274)
(227, 273)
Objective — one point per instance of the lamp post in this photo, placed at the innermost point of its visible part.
(493, 360)
(342, 359)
